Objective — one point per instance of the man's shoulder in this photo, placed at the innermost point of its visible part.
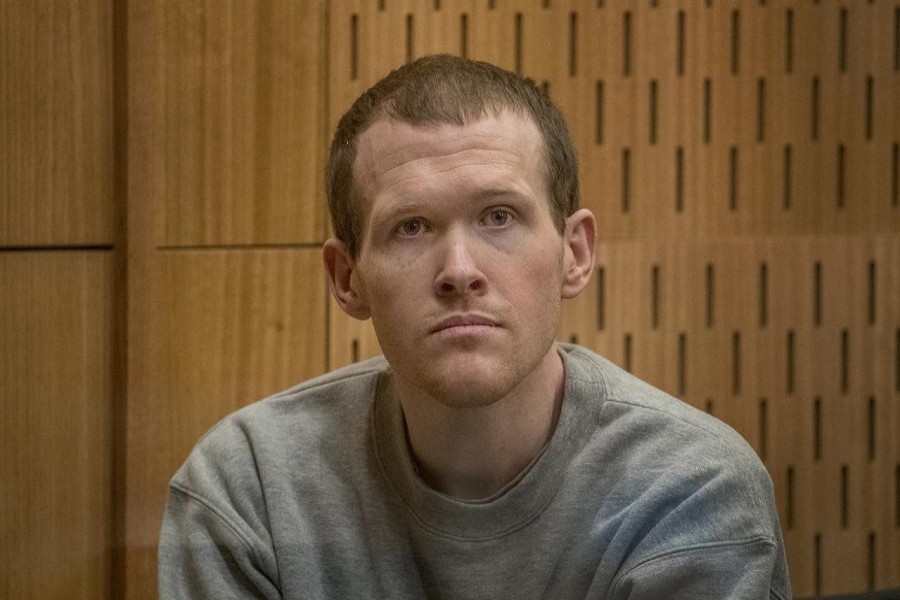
(348, 388)
(631, 403)
(327, 413)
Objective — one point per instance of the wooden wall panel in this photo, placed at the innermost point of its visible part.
(225, 216)
(56, 126)
(56, 316)
(225, 328)
(239, 121)
(742, 161)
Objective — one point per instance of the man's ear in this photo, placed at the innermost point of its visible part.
(341, 270)
(581, 229)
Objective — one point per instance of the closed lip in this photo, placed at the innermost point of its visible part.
(463, 321)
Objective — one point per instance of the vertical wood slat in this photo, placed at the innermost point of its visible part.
(56, 155)
(241, 123)
(56, 323)
(226, 301)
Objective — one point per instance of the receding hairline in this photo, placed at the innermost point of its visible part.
(489, 112)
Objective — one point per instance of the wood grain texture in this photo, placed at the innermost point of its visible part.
(741, 160)
(224, 329)
(56, 392)
(56, 140)
(239, 120)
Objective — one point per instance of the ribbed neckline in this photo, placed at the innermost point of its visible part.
(520, 502)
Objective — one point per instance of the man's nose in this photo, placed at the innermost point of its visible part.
(459, 273)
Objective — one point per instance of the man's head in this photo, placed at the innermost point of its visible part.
(447, 90)
(455, 241)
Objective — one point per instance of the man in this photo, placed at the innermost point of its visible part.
(478, 458)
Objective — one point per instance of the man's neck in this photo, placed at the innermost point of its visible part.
(474, 452)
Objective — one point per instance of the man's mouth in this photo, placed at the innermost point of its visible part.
(472, 323)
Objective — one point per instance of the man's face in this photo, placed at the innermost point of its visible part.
(460, 265)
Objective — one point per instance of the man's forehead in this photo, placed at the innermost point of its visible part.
(389, 140)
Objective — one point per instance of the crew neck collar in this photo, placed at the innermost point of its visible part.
(522, 500)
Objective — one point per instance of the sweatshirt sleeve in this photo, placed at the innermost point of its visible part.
(740, 570)
(204, 553)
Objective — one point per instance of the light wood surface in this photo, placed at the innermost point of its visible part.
(56, 125)
(238, 119)
(741, 158)
(55, 438)
(223, 328)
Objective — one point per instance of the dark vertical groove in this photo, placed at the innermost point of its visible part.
(788, 200)
(789, 40)
(789, 524)
(870, 99)
(790, 362)
(707, 110)
(626, 43)
(763, 294)
(709, 406)
(710, 294)
(492, 4)
(682, 364)
(814, 109)
(410, 38)
(845, 489)
(842, 42)
(871, 562)
(817, 429)
(761, 110)
(845, 361)
(763, 428)
(840, 187)
(735, 42)
(679, 179)
(518, 43)
(680, 44)
(354, 351)
(573, 44)
(118, 423)
(736, 363)
(573, 339)
(817, 294)
(653, 110)
(817, 564)
(601, 298)
(626, 179)
(599, 113)
(381, 5)
(654, 296)
(437, 5)
(733, 178)
(464, 35)
(897, 360)
(895, 175)
(872, 292)
(354, 47)
(872, 431)
(897, 496)
(627, 353)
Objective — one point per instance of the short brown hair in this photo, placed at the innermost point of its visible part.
(447, 89)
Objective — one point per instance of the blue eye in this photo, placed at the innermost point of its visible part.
(411, 227)
(499, 217)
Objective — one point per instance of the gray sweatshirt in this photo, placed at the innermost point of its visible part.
(312, 493)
